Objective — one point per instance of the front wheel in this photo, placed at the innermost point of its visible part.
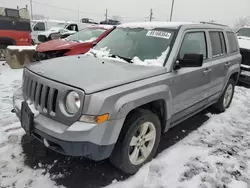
(226, 98)
(138, 141)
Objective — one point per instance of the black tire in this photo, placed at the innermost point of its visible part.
(219, 106)
(2, 51)
(120, 154)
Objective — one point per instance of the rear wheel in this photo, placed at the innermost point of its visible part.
(2, 51)
(226, 98)
(138, 141)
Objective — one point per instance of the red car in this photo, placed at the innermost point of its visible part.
(14, 28)
(78, 43)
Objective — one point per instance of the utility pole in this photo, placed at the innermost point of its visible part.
(172, 9)
(106, 15)
(151, 15)
(78, 14)
(31, 11)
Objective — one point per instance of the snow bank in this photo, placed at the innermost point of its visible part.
(104, 53)
(21, 48)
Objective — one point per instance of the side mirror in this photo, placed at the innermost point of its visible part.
(189, 60)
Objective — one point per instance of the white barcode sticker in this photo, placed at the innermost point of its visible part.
(159, 34)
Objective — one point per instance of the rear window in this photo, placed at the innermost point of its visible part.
(232, 42)
(9, 24)
(12, 13)
(244, 32)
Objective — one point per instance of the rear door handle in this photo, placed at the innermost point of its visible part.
(227, 64)
(206, 71)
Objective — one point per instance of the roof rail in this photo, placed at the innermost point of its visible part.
(212, 23)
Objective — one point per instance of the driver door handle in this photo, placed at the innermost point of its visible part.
(206, 71)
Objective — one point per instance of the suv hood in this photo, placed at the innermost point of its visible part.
(92, 74)
(58, 44)
(244, 42)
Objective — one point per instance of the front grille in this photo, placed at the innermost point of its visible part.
(48, 97)
(42, 96)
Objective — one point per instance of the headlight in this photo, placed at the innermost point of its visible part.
(72, 102)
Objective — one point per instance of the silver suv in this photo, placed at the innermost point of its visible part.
(139, 81)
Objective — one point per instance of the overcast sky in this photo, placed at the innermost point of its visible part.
(223, 11)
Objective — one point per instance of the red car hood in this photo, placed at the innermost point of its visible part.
(58, 44)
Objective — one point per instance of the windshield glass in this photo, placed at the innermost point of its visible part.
(244, 32)
(137, 42)
(89, 34)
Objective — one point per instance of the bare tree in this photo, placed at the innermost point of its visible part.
(241, 22)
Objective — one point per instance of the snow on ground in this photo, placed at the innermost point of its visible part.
(216, 155)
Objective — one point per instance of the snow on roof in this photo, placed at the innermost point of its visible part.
(21, 48)
(151, 25)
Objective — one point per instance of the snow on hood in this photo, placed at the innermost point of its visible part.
(104, 53)
(21, 48)
(244, 42)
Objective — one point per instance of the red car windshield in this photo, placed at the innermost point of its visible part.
(86, 35)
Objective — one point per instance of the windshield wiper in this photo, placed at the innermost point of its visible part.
(93, 53)
(129, 60)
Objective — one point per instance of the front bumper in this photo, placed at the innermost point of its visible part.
(92, 141)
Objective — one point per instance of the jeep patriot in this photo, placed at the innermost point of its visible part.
(117, 104)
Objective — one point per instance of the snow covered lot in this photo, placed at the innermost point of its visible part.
(206, 151)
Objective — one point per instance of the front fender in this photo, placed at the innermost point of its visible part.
(138, 98)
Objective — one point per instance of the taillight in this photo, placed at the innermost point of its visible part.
(30, 39)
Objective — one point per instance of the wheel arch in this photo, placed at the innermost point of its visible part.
(156, 99)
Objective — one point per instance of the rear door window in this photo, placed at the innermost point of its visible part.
(218, 43)
(232, 42)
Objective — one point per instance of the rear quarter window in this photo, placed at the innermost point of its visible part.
(232, 42)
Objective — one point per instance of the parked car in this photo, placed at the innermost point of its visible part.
(110, 22)
(14, 28)
(78, 43)
(243, 36)
(116, 106)
(87, 20)
(43, 27)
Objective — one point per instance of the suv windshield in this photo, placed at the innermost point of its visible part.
(244, 32)
(137, 42)
(87, 34)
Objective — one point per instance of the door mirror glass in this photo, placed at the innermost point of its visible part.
(190, 60)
